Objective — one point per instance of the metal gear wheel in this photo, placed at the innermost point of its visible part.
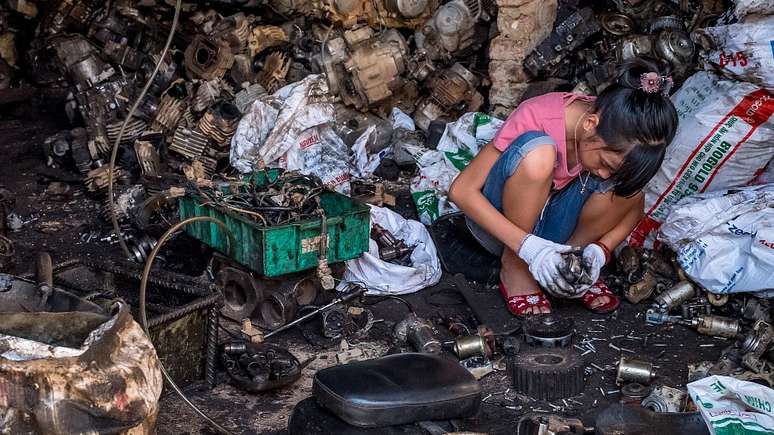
(547, 373)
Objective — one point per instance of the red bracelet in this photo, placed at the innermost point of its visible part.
(606, 250)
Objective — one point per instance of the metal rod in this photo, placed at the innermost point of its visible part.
(342, 299)
(212, 346)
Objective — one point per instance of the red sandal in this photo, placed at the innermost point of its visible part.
(518, 305)
(598, 290)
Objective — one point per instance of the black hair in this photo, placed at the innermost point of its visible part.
(636, 123)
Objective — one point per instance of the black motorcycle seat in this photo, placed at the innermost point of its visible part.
(398, 389)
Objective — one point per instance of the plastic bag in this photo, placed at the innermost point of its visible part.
(383, 278)
(461, 141)
(723, 140)
(743, 51)
(725, 241)
(273, 124)
(733, 407)
(320, 152)
(749, 7)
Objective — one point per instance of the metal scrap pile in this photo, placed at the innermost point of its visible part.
(589, 41)
(417, 55)
(424, 57)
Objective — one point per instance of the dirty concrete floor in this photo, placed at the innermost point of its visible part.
(56, 223)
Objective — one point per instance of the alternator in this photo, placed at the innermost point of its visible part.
(452, 92)
(348, 13)
(364, 69)
(450, 30)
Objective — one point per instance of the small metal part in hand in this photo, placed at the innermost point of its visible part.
(575, 270)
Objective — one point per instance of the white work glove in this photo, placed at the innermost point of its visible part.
(594, 255)
(544, 258)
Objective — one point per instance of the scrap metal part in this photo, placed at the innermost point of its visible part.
(260, 367)
(189, 142)
(419, 333)
(575, 270)
(96, 180)
(365, 69)
(672, 298)
(263, 37)
(632, 370)
(547, 373)
(245, 98)
(451, 30)
(695, 307)
(567, 36)
(452, 91)
(348, 13)
(639, 291)
(80, 61)
(757, 345)
(390, 247)
(350, 322)
(716, 326)
(617, 24)
(633, 393)
(666, 399)
(717, 300)
(241, 293)
(277, 309)
(275, 69)
(480, 344)
(148, 158)
(219, 123)
(549, 330)
(550, 424)
(208, 59)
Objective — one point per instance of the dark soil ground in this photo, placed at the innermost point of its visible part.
(57, 224)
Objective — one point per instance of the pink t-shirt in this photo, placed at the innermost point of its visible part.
(543, 113)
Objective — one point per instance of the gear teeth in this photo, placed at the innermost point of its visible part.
(547, 373)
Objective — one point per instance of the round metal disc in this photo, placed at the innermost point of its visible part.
(548, 330)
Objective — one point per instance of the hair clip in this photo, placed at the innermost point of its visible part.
(652, 82)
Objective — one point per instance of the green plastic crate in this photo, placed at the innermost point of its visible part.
(279, 250)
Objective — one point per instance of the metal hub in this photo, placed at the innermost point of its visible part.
(548, 330)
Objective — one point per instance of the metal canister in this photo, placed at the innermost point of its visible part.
(672, 298)
(470, 345)
(717, 326)
(633, 370)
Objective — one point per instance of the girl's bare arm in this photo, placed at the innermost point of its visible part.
(533, 176)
